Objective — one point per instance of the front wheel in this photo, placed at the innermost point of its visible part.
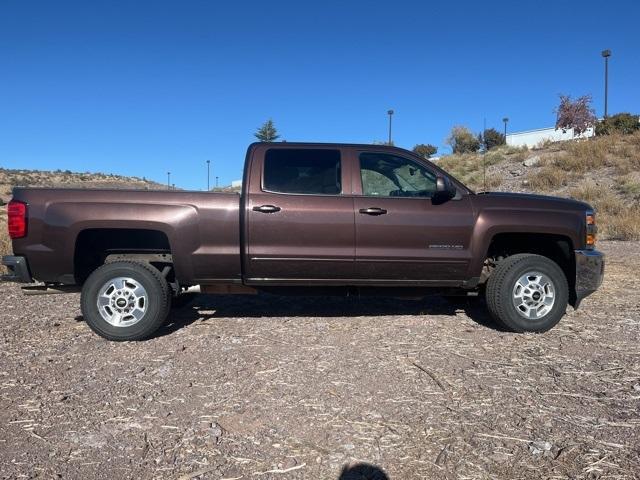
(125, 301)
(527, 293)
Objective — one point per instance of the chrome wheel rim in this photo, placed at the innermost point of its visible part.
(122, 301)
(534, 295)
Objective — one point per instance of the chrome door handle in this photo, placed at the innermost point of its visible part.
(373, 211)
(266, 209)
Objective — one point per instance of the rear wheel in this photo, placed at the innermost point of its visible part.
(527, 293)
(125, 301)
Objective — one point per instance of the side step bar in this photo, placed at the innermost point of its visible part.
(49, 290)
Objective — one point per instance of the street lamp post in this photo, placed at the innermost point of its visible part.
(216, 181)
(606, 54)
(505, 120)
(390, 113)
(168, 180)
(208, 162)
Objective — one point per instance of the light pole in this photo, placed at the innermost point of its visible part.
(390, 113)
(168, 180)
(606, 54)
(216, 182)
(208, 162)
(505, 120)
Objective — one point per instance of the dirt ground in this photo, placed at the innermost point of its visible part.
(287, 388)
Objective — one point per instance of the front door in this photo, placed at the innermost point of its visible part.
(300, 226)
(402, 234)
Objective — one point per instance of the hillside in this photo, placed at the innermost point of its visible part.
(39, 178)
(603, 171)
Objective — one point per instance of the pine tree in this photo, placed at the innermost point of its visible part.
(267, 132)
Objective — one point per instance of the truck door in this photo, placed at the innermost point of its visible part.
(402, 234)
(299, 225)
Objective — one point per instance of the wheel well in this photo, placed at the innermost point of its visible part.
(558, 248)
(94, 245)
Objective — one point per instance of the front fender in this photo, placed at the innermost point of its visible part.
(497, 220)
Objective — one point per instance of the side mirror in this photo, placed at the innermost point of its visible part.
(444, 188)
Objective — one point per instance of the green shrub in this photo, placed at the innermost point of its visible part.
(425, 150)
(623, 123)
(462, 140)
(492, 138)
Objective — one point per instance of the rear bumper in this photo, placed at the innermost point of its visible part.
(18, 269)
(589, 273)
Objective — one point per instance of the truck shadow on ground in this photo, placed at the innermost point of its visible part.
(362, 471)
(206, 307)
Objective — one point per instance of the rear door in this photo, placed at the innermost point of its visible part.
(300, 226)
(402, 234)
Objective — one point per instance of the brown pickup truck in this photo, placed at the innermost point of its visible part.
(322, 218)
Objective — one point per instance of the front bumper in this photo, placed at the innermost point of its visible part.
(589, 273)
(18, 269)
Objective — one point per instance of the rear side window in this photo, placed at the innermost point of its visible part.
(311, 171)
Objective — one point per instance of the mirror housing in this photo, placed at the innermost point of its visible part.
(444, 188)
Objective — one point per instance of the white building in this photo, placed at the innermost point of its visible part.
(532, 138)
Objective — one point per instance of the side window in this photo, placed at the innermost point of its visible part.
(311, 171)
(385, 175)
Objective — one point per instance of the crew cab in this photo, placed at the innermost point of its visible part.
(321, 218)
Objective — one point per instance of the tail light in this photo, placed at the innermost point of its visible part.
(17, 215)
(592, 230)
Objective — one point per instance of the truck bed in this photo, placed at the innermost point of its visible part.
(201, 228)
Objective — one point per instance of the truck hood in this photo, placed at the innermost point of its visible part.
(529, 200)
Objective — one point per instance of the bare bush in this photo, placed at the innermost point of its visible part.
(548, 178)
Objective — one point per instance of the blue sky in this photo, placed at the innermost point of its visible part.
(143, 87)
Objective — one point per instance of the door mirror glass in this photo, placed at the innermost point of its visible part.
(444, 188)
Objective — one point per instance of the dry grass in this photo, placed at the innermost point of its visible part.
(620, 152)
(629, 186)
(469, 167)
(624, 226)
(549, 178)
(5, 242)
(617, 219)
(567, 169)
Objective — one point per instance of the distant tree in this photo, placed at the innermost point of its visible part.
(267, 132)
(491, 138)
(623, 123)
(577, 114)
(462, 140)
(383, 142)
(425, 150)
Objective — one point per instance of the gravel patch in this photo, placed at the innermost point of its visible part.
(271, 387)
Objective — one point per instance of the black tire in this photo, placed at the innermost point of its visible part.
(156, 302)
(501, 287)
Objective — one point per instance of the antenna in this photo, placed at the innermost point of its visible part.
(484, 152)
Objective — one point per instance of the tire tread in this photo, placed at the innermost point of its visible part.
(165, 300)
(498, 302)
